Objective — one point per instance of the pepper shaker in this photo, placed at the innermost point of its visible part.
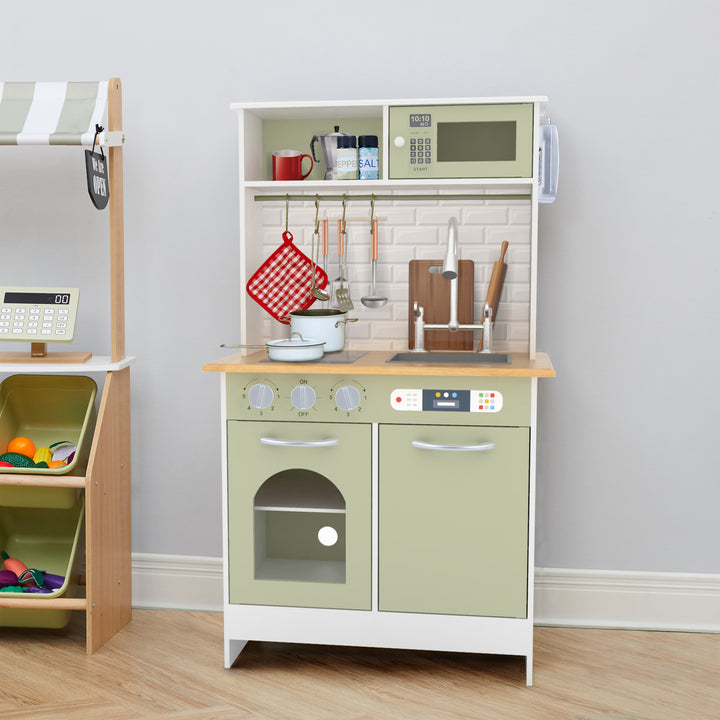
(347, 158)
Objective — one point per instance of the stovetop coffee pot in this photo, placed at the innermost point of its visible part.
(328, 143)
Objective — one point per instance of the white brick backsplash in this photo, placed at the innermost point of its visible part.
(519, 215)
(416, 231)
(487, 215)
(416, 236)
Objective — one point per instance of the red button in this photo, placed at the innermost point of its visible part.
(398, 399)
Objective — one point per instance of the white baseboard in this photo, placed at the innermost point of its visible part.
(177, 582)
(687, 602)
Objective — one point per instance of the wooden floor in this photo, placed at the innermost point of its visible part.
(168, 664)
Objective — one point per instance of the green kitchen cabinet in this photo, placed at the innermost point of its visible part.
(299, 499)
(453, 521)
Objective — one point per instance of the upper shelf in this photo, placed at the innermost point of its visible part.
(363, 108)
(438, 185)
(479, 142)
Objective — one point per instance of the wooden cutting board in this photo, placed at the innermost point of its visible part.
(432, 292)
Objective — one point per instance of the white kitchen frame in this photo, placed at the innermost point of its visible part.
(250, 119)
(373, 628)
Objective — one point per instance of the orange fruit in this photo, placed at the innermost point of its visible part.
(23, 446)
(56, 464)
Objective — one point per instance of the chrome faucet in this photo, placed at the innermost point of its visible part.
(487, 327)
(449, 272)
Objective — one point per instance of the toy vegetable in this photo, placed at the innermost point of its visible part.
(31, 577)
(53, 582)
(13, 564)
(7, 577)
(42, 454)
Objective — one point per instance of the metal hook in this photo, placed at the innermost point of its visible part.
(343, 217)
(287, 211)
(317, 214)
(372, 211)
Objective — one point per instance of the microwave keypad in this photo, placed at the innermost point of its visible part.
(420, 151)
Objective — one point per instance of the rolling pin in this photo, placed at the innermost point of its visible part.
(496, 285)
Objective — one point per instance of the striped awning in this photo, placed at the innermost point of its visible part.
(51, 113)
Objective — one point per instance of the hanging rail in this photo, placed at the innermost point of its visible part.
(379, 198)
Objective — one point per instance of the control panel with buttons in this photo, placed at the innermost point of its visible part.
(432, 400)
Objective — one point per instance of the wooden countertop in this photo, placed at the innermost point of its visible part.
(373, 363)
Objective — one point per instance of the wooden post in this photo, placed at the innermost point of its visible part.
(108, 527)
(117, 230)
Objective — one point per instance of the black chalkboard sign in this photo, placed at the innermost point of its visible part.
(97, 175)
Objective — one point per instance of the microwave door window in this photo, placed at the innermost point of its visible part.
(476, 141)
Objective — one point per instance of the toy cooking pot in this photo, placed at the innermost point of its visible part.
(327, 325)
(296, 348)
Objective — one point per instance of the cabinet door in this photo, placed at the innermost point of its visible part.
(286, 482)
(453, 524)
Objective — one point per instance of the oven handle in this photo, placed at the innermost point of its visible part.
(482, 447)
(299, 443)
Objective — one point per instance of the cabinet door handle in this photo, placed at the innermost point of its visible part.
(298, 443)
(482, 447)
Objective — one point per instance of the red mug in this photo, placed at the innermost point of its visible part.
(287, 165)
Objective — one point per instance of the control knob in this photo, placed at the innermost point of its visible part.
(302, 397)
(347, 398)
(260, 396)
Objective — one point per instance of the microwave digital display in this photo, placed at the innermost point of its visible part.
(420, 120)
(476, 141)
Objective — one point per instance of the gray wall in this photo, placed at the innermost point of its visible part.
(629, 254)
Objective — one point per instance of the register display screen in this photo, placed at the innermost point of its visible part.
(492, 141)
(37, 298)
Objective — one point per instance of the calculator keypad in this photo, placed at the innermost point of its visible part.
(37, 323)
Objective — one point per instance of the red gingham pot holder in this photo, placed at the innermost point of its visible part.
(282, 283)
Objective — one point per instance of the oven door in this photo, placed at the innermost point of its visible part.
(299, 498)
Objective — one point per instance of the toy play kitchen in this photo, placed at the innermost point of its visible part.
(383, 495)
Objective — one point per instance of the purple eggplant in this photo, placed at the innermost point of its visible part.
(7, 578)
(36, 589)
(53, 582)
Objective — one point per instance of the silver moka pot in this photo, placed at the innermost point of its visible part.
(329, 148)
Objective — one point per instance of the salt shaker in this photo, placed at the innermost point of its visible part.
(368, 158)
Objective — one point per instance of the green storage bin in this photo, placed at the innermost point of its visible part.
(47, 539)
(46, 409)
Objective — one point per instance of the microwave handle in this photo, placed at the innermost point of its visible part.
(548, 162)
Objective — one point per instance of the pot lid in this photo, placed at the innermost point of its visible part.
(295, 341)
(317, 312)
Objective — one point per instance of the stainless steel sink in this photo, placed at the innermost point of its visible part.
(455, 358)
